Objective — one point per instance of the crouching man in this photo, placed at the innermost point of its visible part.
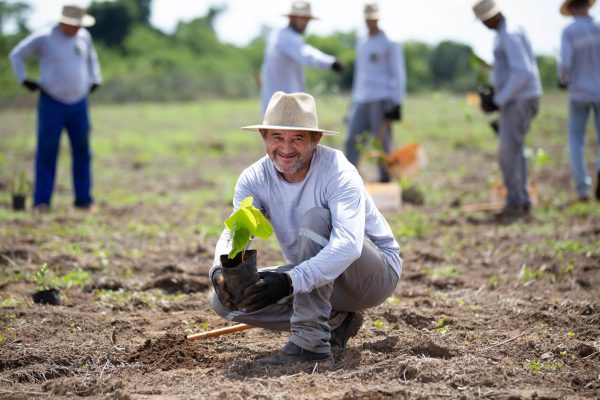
(341, 253)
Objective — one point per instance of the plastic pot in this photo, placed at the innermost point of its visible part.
(18, 202)
(238, 273)
(50, 296)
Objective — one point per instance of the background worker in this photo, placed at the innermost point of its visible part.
(378, 89)
(341, 253)
(579, 70)
(69, 71)
(518, 89)
(286, 54)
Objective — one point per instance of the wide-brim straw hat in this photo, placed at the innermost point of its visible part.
(300, 9)
(371, 11)
(295, 111)
(564, 8)
(485, 9)
(75, 15)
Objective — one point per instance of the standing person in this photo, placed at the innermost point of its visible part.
(341, 253)
(378, 90)
(286, 54)
(517, 87)
(69, 71)
(579, 70)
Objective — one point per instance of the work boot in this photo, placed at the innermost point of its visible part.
(511, 213)
(349, 328)
(292, 354)
(598, 187)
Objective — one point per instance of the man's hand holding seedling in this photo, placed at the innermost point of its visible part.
(270, 288)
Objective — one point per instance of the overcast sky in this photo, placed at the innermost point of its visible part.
(430, 21)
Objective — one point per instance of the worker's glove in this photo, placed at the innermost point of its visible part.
(31, 85)
(337, 66)
(393, 113)
(486, 96)
(94, 87)
(220, 289)
(561, 84)
(270, 288)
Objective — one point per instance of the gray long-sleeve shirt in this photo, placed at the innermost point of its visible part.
(380, 72)
(286, 55)
(579, 63)
(333, 183)
(515, 74)
(68, 64)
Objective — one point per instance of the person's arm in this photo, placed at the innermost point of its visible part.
(293, 46)
(19, 54)
(520, 67)
(564, 63)
(397, 68)
(347, 208)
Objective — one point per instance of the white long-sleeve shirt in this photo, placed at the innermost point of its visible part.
(286, 55)
(515, 74)
(332, 183)
(68, 64)
(579, 63)
(379, 72)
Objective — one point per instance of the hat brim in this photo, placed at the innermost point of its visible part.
(490, 14)
(256, 128)
(299, 15)
(85, 22)
(564, 9)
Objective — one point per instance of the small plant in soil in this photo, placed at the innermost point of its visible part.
(19, 189)
(47, 286)
(239, 265)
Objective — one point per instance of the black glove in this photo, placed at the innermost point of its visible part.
(94, 87)
(495, 126)
(562, 85)
(270, 287)
(31, 85)
(486, 95)
(222, 293)
(394, 113)
(337, 66)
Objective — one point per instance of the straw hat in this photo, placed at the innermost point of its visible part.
(295, 111)
(75, 15)
(564, 9)
(300, 9)
(371, 11)
(485, 9)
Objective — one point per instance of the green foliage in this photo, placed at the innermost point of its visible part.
(451, 66)
(247, 221)
(20, 184)
(548, 366)
(44, 278)
(113, 22)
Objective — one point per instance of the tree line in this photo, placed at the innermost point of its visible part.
(141, 63)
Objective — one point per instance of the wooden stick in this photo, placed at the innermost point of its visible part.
(219, 332)
(476, 207)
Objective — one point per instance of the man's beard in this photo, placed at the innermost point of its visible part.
(292, 170)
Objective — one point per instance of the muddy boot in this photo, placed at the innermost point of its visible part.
(292, 354)
(238, 273)
(349, 328)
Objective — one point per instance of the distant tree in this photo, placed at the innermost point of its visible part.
(451, 66)
(418, 73)
(140, 10)
(15, 11)
(113, 22)
(199, 34)
(547, 68)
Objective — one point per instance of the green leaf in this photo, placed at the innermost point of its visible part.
(247, 221)
(240, 241)
(247, 202)
(264, 228)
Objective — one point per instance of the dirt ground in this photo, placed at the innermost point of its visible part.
(482, 311)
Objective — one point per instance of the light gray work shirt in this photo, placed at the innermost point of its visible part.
(579, 64)
(68, 64)
(379, 72)
(286, 55)
(332, 183)
(515, 74)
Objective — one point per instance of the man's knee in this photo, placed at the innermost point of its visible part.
(316, 218)
(217, 307)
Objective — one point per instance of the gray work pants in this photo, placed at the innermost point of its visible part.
(368, 117)
(366, 283)
(515, 119)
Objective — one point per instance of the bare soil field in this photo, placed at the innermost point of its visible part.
(482, 310)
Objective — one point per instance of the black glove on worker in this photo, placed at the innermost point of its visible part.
(486, 95)
(94, 87)
(219, 286)
(31, 85)
(271, 287)
(337, 66)
(394, 113)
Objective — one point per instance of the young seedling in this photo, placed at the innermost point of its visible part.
(245, 223)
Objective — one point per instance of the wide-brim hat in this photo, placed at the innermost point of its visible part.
(485, 9)
(295, 111)
(300, 9)
(564, 8)
(75, 15)
(371, 11)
